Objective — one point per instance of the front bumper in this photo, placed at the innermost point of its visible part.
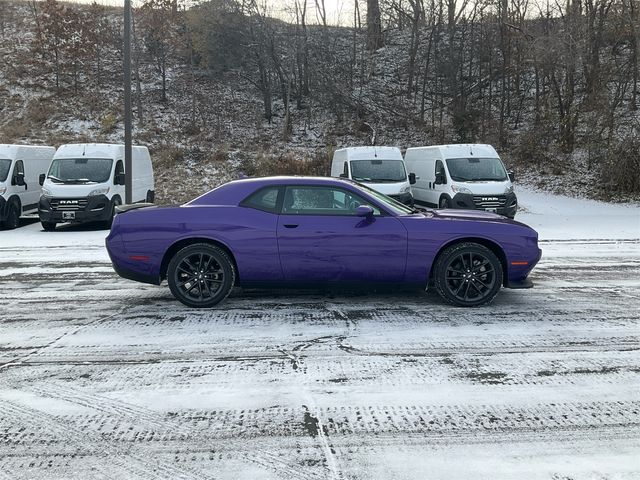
(406, 198)
(505, 205)
(88, 209)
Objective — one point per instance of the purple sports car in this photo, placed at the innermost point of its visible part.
(309, 231)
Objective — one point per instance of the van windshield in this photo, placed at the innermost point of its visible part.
(5, 166)
(476, 169)
(392, 204)
(378, 171)
(80, 170)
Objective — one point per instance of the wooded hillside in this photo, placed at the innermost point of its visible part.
(223, 89)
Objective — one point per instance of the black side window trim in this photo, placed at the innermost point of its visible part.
(279, 200)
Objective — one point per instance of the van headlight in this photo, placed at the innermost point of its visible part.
(459, 189)
(99, 191)
(405, 189)
(508, 190)
(46, 193)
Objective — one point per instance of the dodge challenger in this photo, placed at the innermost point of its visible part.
(301, 231)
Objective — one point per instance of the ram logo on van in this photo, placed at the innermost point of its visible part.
(490, 199)
(68, 202)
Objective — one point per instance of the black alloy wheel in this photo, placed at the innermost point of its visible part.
(468, 275)
(201, 275)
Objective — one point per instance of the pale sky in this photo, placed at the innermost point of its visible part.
(338, 11)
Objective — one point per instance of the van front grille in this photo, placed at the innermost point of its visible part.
(489, 201)
(68, 204)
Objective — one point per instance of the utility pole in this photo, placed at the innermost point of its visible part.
(128, 167)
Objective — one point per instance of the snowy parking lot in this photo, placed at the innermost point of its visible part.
(101, 377)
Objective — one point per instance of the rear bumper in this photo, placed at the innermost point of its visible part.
(98, 208)
(136, 276)
(465, 201)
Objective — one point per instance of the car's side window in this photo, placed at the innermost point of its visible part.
(312, 200)
(265, 199)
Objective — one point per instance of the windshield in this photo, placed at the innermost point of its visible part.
(80, 170)
(476, 169)
(5, 166)
(391, 204)
(378, 171)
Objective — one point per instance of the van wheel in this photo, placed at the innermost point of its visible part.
(13, 217)
(114, 204)
(468, 274)
(201, 275)
(150, 196)
(48, 226)
(445, 203)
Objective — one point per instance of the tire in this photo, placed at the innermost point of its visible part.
(13, 216)
(114, 204)
(468, 275)
(48, 226)
(150, 196)
(444, 203)
(212, 275)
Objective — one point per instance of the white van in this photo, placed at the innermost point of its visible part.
(86, 181)
(20, 168)
(470, 176)
(380, 168)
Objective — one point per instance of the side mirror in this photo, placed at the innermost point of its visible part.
(19, 180)
(343, 175)
(512, 176)
(412, 178)
(42, 178)
(119, 179)
(364, 211)
(440, 179)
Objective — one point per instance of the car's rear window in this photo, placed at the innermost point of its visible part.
(265, 199)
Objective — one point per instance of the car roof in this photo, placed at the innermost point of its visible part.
(232, 193)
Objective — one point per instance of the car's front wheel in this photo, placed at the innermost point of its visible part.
(468, 274)
(201, 275)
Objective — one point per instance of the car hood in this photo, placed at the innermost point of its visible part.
(471, 215)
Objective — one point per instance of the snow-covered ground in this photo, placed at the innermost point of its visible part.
(105, 378)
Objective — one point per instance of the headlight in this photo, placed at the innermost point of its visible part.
(406, 189)
(99, 191)
(508, 190)
(46, 192)
(459, 189)
(3, 190)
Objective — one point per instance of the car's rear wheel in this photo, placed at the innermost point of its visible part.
(468, 274)
(201, 275)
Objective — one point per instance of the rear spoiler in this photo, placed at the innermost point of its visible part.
(132, 206)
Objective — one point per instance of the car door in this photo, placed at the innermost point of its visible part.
(320, 238)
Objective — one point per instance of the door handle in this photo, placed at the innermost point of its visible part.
(290, 225)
